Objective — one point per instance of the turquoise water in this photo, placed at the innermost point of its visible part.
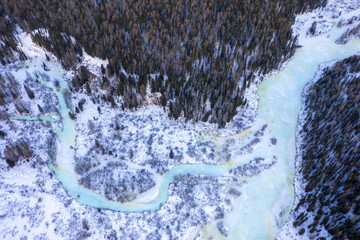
(46, 118)
(266, 198)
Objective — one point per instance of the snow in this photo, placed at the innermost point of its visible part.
(93, 63)
(334, 12)
(265, 198)
(59, 219)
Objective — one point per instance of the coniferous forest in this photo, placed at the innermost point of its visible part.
(331, 172)
(196, 119)
(200, 55)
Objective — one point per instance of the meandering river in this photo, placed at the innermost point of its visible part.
(266, 198)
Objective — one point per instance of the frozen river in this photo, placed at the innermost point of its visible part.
(266, 199)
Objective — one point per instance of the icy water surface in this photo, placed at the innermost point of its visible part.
(266, 198)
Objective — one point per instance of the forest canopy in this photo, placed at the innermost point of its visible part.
(202, 54)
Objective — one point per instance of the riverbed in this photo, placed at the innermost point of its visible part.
(266, 198)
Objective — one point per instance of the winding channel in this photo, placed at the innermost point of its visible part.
(266, 199)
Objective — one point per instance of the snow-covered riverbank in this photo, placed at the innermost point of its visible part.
(217, 183)
(340, 14)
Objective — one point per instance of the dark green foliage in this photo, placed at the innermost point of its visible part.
(171, 155)
(9, 90)
(330, 153)
(72, 116)
(17, 151)
(313, 28)
(2, 134)
(208, 49)
(81, 79)
(29, 92)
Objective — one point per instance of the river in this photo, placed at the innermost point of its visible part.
(266, 199)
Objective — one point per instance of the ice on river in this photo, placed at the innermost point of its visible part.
(256, 164)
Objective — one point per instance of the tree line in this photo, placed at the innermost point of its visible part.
(330, 154)
(204, 53)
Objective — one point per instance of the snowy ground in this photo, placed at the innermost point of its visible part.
(34, 204)
(340, 14)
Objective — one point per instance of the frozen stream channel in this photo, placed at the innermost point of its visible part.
(266, 199)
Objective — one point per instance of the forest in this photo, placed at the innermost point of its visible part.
(330, 154)
(200, 55)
